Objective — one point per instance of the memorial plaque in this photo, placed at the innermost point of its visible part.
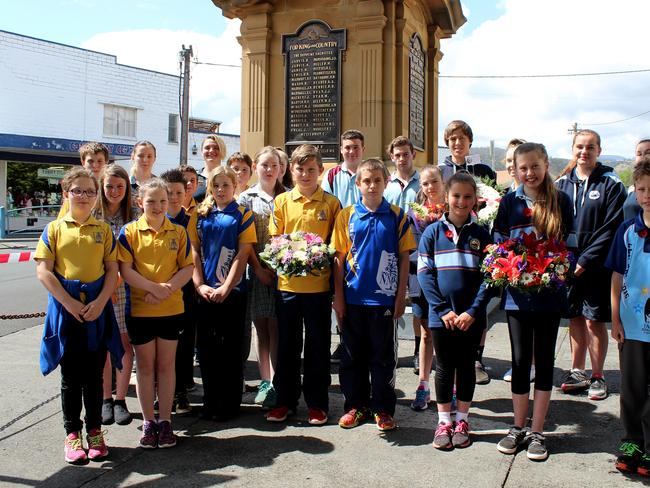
(313, 87)
(416, 92)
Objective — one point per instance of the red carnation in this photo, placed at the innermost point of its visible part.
(643, 233)
(528, 212)
(449, 234)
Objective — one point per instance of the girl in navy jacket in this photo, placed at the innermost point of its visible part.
(533, 318)
(449, 271)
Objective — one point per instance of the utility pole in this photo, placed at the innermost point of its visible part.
(185, 56)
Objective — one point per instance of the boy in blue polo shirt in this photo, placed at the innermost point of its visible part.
(629, 260)
(372, 239)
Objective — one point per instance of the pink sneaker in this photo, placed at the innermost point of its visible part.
(74, 449)
(442, 436)
(96, 446)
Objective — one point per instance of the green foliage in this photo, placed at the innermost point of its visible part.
(625, 174)
(23, 177)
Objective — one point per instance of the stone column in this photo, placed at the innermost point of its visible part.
(433, 64)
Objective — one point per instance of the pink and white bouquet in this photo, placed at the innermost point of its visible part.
(297, 254)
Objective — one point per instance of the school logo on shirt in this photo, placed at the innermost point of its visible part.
(594, 195)
(223, 265)
(173, 244)
(322, 215)
(387, 274)
(475, 244)
(99, 238)
(646, 315)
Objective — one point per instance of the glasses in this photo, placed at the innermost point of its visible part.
(77, 192)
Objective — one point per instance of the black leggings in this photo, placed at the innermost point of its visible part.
(455, 355)
(528, 328)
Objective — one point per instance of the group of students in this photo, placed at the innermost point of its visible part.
(182, 264)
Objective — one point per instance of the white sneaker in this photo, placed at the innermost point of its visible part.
(508, 376)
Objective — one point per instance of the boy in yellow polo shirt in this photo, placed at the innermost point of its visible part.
(155, 261)
(304, 298)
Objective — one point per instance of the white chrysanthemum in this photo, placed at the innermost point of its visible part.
(526, 279)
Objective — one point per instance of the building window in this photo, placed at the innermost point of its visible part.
(120, 121)
(172, 131)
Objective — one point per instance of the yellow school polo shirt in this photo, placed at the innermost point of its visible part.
(157, 256)
(78, 250)
(292, 211)
(65, 206)
(191, 208)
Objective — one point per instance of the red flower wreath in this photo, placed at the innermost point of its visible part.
(449, 234)
(643, 233)
(528, 212)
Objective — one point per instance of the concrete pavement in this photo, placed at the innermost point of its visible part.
(582, 436)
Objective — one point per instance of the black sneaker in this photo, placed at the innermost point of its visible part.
(122, 414)
(537, 447)
(482, 376)
(107, 412)
(182, 403)
(644, 465)
(510, 443)
(335, 357)
(575, 380)
(628, 462)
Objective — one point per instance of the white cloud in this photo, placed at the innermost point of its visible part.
(554, 36)
(214, 91)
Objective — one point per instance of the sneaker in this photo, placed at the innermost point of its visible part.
(96, 446)
(644, 465)
(335, 357)
(422, 399)
(575, 380)
(74, 449)
(149, 439)
(353, 417)
(510, 443)
(271, 399)
(508, 376)
(107, 412)
(537, 447)
(262, 392)
(628, 462)
(482, 377)
(416, 364)
(166, 436)
(279, 414)
(122, 414)
(182, 403)
(442, 436)
(384, 421)
(191, 387)
(316, 416)
(597, 388)
(461, 438)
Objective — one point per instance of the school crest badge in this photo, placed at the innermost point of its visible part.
(173, 244)
(594, 195)
(99, 238)
(387, 274)
(475, 244)
(322, 215)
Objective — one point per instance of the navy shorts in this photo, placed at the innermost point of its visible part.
(589, 295)
(145, 329)
(420, 307)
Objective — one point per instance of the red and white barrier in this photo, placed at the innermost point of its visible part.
(17, 257)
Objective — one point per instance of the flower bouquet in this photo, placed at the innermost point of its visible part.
(297, 254)
(426, 214)
(489, 196)
(527, 264)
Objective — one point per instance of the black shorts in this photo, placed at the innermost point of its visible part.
(589, 295)
(145, 329)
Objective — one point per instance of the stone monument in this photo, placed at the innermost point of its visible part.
(312, 69)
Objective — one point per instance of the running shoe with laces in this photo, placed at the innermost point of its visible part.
(271, 399)
(507, 376)
(279, 414)
(385, 421)
(182, 403)
(166, 436)
(628, 462)
(316, 416)
(262, 392)
(597, 388)
(515, 438)
(107, 412)
(482, 376)
(460, 438)
(644, 465)
(149, 438)
(96, 446)
(422, 399)
(442, 436)
(122, 414)
(537, 447)
(575, 380)
(74, 449)
(353, 417)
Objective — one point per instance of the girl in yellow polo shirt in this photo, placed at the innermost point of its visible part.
(76, 263)
(155, 261)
